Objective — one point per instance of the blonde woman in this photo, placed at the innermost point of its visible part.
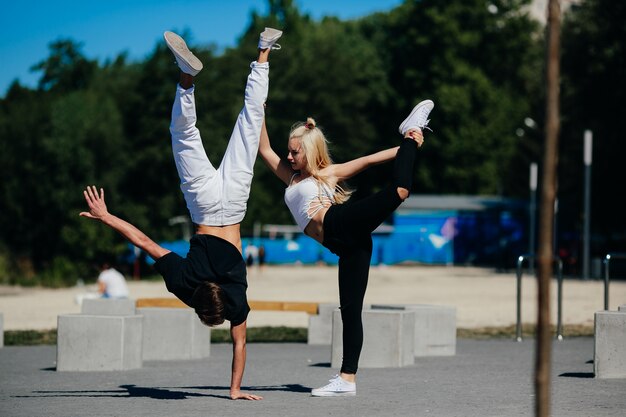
(316, 194)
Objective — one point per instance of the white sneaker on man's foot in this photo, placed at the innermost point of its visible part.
(338, 387)
(269, 37)
(418, 119)
(186, 60)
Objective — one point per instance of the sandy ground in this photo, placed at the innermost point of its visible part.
(481, 296)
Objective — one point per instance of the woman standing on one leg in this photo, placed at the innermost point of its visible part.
(315, 197)
(212, 277)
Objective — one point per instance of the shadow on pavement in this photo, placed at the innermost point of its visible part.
(162, 393)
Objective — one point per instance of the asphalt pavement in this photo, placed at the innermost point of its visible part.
(484, 378)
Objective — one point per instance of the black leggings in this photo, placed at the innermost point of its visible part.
(348, 233)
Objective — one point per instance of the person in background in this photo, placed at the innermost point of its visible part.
(111, 282)
(261, 257)
(251, 253)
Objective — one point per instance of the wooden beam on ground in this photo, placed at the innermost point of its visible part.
(170, 302)
(310, 308)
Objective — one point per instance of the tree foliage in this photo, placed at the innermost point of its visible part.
(107, 123)
(594, 98)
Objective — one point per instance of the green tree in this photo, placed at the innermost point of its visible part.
(66, 69)
(482, 63)
(475, 62)
(594, 97)
(23, 120)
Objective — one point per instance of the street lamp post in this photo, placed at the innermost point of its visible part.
(185, 224)
(587, 156)
(532, 213)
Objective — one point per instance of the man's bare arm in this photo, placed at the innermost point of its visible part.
(98, 211)
(238, 335)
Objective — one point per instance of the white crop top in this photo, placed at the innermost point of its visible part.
(306, 198)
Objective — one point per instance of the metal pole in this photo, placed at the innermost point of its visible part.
(532, 213)
(587, 155)
(607, 260)
(555, 240)
(186, 225)
(256, 232)
(518, 326)
(519, 273)
(559, 318)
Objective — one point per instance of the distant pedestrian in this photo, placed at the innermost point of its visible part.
(261, 257)
(111, 283)
(251, 252)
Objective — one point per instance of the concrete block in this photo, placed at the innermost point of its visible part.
(108, 307)
(320, 330)
(173, 334)
(98, 343)
(387, 339)
(435, 328)
(622, 308)
(1, 330)
(610, 344)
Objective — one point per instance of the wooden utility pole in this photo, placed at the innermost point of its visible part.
(546, 253)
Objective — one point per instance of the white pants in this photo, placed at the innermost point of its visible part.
(218, 197)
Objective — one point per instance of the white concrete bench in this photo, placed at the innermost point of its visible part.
(174, 334)
(320, 330)
(610, 344)
(388, 337)
(98, 343)
(108, 307)
(433, 334)
(435, 328)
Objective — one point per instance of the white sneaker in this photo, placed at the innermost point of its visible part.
(186, 60)
(338, 387)
(269, 37)
(418, 119)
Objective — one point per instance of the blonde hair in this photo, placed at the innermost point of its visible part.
(315, 147)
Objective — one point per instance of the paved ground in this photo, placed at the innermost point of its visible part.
(485, 378)
(482, 296)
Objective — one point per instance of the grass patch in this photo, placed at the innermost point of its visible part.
(265, 334)
(255, 335)
(151, 278)
(30, 337)
(283, 334)
(528, 331)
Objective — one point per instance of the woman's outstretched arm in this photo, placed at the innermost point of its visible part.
(349, 169)
(277, 165)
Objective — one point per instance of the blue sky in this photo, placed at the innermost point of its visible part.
(108, 27)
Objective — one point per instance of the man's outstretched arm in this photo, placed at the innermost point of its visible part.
(238, 335)
(98, 211)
